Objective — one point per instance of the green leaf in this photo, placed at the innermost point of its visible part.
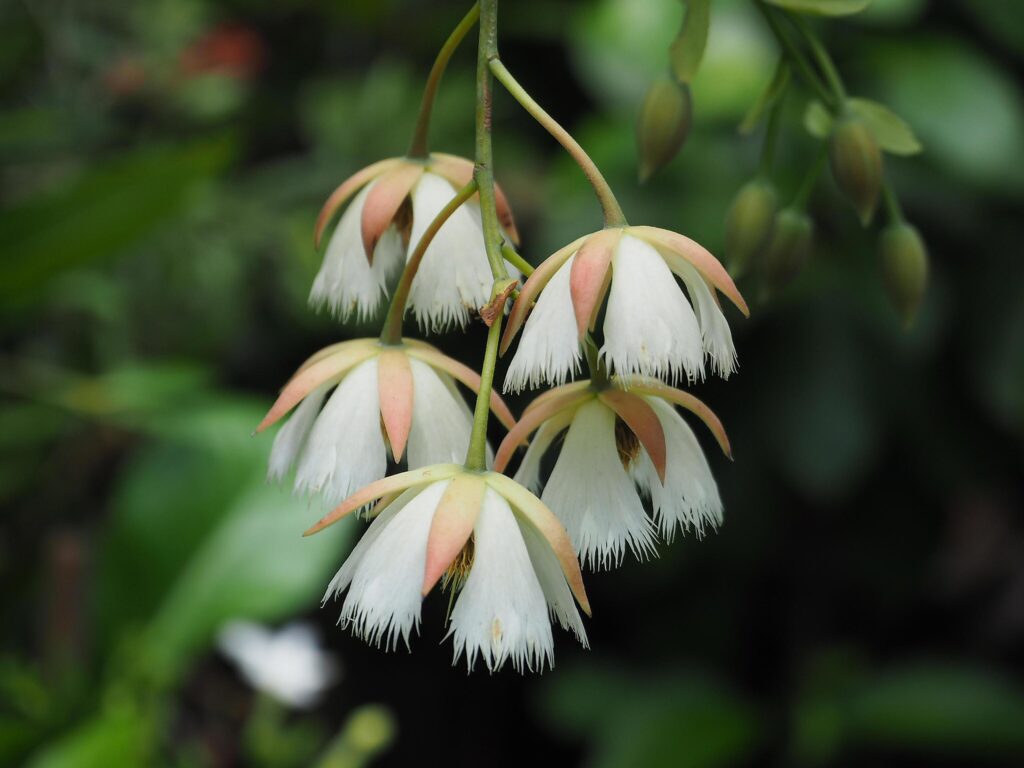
(767, 98)
(120, 736)
(197, 537)
(822, 7)
(98, 215)
(891, 131)
(818, 120)
(687, 50)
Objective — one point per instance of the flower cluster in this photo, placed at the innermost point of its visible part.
(636, 306)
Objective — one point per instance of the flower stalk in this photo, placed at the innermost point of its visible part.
(613, 216)
(418, 145)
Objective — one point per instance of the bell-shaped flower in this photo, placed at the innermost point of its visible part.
(481, 535)
(649, 328)
(392, 204)
(388, 401)
(625, 443)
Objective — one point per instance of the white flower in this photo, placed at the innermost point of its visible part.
(287, 664)
(481, 534)
(394, 202)
(649, 327)
(624, 444)
(396, 400)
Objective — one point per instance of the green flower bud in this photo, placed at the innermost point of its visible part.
(904, 269)
(748, 225)
(789, 247)
(663, 125)
(856, 161)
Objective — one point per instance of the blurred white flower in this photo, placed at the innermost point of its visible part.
(287, 664)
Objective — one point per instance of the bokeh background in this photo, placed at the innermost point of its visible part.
(162, 165)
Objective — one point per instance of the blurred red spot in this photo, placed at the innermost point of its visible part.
(229, 49)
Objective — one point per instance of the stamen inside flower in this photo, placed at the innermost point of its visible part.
(458, 571)
(403, 220)
(626, 443)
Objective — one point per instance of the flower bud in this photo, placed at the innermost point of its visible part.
(789, 247)
(663, 125)
(856, 162)
(748, 226)
(904, 269)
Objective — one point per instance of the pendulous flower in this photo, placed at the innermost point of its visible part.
(625, 442)
(481, 535)
(649, 327)
(387, 400)
(394, 202)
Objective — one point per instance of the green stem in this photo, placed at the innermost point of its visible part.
(391, 333)
(771, 138)
(516, 260)
(613, 216)
(892, 203)
(598, 372)
(803, 193)
(418, 146)
(476, 455)
(821, 56)
(797, 57)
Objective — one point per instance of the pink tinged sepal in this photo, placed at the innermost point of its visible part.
(590, 276)
(674, 246)
(452, 525)
(643, 422)
(557, 400)
(395, 388)
(655, 388)
(532, 288)
(533, 511)
(348, 188)
(460, 372)
(459, 171)
(338, 362)
(384, 487)
(382, 204)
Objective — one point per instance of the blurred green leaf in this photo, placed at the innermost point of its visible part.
(97, 215)
(965, 109)
(197, 536)
(122, 736)
(891, 131)
(822, 7)
(675, 720)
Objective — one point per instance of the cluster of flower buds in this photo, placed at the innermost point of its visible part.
(772, 242)
(630, 469)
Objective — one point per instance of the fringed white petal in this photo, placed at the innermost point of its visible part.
(649, 327)
(552, 581)
(344, 575)
(441, 419)
(689, 498)
(384, 594)
(528, 474)
(501, 613)
(345, 449)
(292, 436)
(454, 278)
(549, 347)
(346, 282)
(592, 494)
(714, 328)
